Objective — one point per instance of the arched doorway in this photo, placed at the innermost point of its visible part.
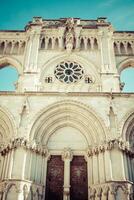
(67, 137)
(67, 129)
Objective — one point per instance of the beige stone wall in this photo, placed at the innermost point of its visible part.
(43, 124)
(44, 115)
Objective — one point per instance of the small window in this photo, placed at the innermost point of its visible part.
(48, 79)
(88, 79)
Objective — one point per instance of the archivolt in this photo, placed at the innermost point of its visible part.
(126, 125)
(68, 113)
(129, 62)
(6, 60)
(7, 125)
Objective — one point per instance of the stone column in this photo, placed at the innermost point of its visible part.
(60, 42)
(111, 196)
(107, 162)
(85, 43)
(5, 46)
(46, 43)
(11, 164)
(118, 47)
(101, 167)
(1, 166)
(92, 194)
(28, 174)
(61, 31)
(95, 168)
(98, 193)
(112, 193)
(89, 160)
(7, 164)
(103, 197)
(125, 47)
(4, 166)
(77, 35)
(77, 44)
(92, 43)
(45, 157)
(11, 51)
(127, 195)
(67, 157)
(105, 193)
(128, 192)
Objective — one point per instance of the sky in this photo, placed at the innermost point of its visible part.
(15, 14)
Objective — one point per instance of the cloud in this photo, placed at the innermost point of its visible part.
(107, 3)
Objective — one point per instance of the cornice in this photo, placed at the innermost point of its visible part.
(101, 94)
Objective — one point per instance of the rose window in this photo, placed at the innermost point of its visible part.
(69, 72)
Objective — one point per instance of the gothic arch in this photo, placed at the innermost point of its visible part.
(126, 124)
(11, 191)
(74, 58)
(129, 62)
(70, 113)
(7, 125)
(6, 60)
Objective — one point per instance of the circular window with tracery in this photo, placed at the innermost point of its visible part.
(69, 72)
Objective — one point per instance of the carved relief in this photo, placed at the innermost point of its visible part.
(67, 154)
(69, 34)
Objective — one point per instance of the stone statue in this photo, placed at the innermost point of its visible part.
(69, 34)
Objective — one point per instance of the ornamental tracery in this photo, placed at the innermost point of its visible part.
(69, 72)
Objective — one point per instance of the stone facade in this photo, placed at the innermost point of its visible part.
(67, 123)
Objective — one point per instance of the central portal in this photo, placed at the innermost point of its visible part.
(67, 138)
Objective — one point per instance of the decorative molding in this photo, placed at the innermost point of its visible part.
(109, 145)
(67, 153)
(28, 145)
(110, 188)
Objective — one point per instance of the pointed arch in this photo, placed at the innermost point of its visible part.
(11, 191)
(128, 62)
(6, 60)
(64, 113)
(126, 124)
(8, 128)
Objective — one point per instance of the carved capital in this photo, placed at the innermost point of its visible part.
(67, 154)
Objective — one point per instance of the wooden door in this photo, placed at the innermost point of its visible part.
(55, 179)
(78, 179)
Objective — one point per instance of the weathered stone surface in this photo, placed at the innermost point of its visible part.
(67, 104)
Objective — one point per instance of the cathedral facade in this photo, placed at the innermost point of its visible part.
(67, 131)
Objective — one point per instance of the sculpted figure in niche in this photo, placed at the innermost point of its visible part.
(69, 34)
